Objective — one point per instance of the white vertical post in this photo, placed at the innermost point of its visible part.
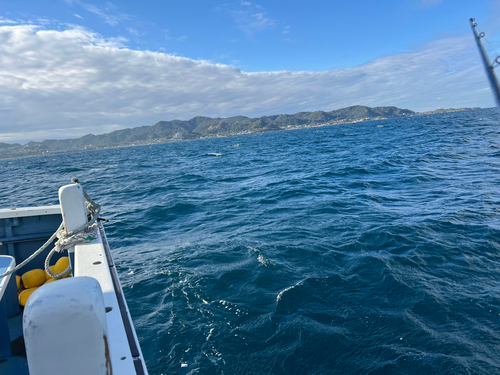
(74, 212)
(73, 207)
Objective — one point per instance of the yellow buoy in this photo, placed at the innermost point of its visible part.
(18, 282)
(61, 265)
(24, 295)
(33, 278)
(50, 280)
(47, 276)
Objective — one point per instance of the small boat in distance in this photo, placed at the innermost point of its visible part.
(488, 66)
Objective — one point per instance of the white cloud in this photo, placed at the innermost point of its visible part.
(62, 84)
(6, 21)
(135, 32)
(250, 18)
(107, 12)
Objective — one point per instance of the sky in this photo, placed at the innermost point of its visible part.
(74, 67)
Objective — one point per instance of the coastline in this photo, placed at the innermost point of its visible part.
(25, 153)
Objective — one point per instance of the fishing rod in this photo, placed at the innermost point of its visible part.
(488, 66)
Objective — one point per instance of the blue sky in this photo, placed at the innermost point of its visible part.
(73, 67)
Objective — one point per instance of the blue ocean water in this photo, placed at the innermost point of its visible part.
(369, 248)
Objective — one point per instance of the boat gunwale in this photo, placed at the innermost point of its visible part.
(10, 213)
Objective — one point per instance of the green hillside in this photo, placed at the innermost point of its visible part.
(204, 127)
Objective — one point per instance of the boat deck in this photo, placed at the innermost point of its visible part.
(17, 363)
(23, 231)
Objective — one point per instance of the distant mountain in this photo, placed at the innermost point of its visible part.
(206, 127)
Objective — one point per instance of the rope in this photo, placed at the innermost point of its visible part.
(32, 256)
(66, 240)
(66, 243)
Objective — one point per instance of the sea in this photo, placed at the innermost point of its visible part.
(366, 248)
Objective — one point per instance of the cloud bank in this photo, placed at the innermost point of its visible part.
(63, 84)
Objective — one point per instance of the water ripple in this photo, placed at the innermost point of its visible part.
(368, 248)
